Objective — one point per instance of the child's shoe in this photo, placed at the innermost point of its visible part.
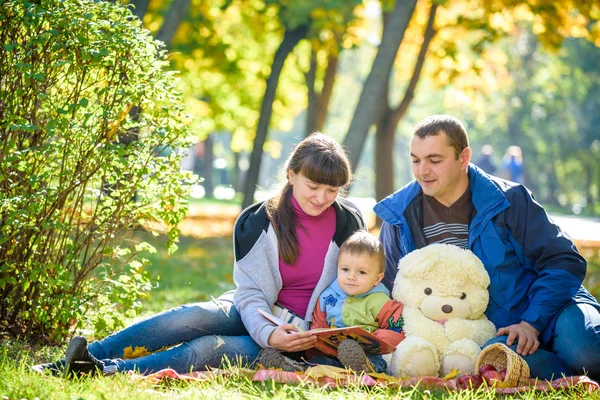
(272, 358)
(79, 361)
(352, 356)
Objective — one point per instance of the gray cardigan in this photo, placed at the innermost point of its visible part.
(256, 268)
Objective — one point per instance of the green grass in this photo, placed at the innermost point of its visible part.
(201, 268)
(19, 382)
(198, 270)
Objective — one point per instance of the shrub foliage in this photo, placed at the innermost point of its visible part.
(88, 116)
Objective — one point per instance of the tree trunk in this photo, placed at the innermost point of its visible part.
(318, 104)
(384, 157)
(553, 184)
(208, 183)
(237, 173)
(589, 184)
(172, 21)
(390, 118)
(375, 86)
(290, 40)
(139, 8)
(313, 97)
(327, 91)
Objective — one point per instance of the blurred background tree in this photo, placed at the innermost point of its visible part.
(263, 73)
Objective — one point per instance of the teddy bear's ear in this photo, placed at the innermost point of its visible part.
(445, 259)
(475, 269)
(418, 263)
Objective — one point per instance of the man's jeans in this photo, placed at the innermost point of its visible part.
(201, 333)
(575, 349)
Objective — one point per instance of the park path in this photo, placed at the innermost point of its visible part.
(217, 220)
(584, 231)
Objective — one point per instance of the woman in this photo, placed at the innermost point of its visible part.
(285, 255)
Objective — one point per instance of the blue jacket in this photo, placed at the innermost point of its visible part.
(534, 267)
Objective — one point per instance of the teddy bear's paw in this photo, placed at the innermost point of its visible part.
(458, 362)
(423, 362)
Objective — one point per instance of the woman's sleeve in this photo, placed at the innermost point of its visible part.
(248, 299)
(253, 274)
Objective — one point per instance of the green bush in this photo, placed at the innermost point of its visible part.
(86, 106)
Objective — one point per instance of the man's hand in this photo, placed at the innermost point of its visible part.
(289, 339)
(525, 333)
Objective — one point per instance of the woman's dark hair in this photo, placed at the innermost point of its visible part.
(320, 159)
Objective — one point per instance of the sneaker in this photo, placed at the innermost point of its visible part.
(55, 369)
(352, 356)
(272, 358)
(79, 361)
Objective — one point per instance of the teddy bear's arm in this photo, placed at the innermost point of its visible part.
(416, 324)
(479, 330)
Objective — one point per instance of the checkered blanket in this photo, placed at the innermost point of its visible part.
(332, 376)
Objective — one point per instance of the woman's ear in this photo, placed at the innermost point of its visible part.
(291, 177)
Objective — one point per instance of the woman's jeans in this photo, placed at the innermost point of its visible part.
(186, 338)
(574, 350)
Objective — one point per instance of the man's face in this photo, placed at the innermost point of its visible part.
(437, 170)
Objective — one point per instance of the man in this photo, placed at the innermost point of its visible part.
(536, 299)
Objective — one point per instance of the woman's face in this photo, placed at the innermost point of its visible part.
(313, 198)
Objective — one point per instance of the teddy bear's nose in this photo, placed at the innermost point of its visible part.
(447, 308)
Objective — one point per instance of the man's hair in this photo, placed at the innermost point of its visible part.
(452, 127)
(362, 242)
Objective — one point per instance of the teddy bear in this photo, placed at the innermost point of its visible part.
(444, 292)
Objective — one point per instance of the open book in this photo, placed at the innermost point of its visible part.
(328, 339)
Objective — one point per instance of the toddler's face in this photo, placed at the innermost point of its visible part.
(358, 273)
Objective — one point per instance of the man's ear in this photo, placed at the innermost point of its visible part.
(465, 157)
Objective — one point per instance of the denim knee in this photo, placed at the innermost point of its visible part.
(214, 350)
(577, 339)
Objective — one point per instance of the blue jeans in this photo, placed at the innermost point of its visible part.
(379, 364)
(186, 338)
(575, 348)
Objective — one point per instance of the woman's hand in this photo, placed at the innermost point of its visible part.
(289, 339)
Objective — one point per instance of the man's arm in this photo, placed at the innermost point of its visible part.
(391, 244)
(553, 256)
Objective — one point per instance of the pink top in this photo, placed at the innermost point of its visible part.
(314, 237)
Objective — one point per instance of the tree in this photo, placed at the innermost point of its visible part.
(298, 20)
(63, 107)
(318, 102)
(389, 118)
(291, 38)
(374, 87)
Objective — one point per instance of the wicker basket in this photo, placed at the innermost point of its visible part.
(501, 357)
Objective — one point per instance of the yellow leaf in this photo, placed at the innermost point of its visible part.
(452, 374)
(383, 377)
(129, 352)
(326, 370)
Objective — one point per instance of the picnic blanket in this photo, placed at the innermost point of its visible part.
(332, 376)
